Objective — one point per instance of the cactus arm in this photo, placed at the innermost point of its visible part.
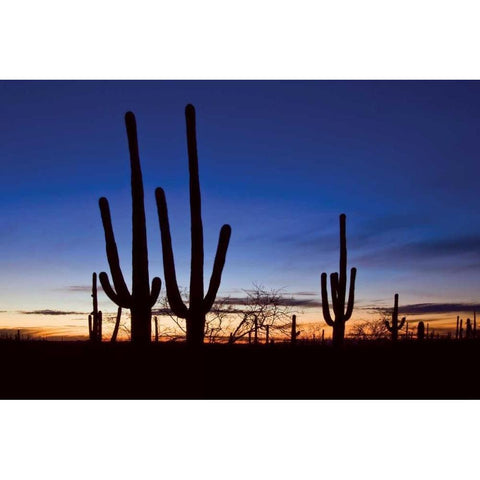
(117, 324)
(387, 324)
(197, 257)
(112, 252)
(343, 257)
(325, 309)
(155, 290)
(173, 292)
(125, 302)
(139, 237)
(218, 264)
(351, 294)
(334, 291)
(402, 322)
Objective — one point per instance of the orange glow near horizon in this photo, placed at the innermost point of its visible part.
(310, 322)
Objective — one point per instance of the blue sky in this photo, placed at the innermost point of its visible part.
(279, 161)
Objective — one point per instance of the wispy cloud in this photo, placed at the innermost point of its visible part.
(79, 288)
(51, 312)
(421, 308)
(465, 250)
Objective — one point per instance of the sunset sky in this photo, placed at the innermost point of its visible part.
(279, 161)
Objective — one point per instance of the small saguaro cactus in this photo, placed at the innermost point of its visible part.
(338, 283)
(474, 332)
(468, 329)
(199, 305)
(294, 333)
(420, 331)
(95, 318)
(395, 326)
(142, 298)
(460, 330)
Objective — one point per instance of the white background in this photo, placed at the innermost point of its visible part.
(239, 40)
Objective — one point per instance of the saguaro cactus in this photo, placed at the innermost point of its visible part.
(199, 305)
(420, 331)
(395, 326)
(294, 333)
(117, 325)
(142, 299)
(338, 282)
(95, 318)
(468, 329)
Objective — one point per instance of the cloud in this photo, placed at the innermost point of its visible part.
(421, 308)
(80, 288)
(51, 312)
(464, 250)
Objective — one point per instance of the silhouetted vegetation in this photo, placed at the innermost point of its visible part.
(395, 326)
(95, 318)
(142, 299)
(338, 284)
(420, 331)
(199, 304)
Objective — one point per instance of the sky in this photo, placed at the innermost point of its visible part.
(279, 161)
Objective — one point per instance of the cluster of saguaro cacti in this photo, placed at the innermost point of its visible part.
(338, 283)
(395, 326)
(294, 333)
(95, 318)
(199, 305)
(142, 298)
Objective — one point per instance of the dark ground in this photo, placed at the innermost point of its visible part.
(367, 370)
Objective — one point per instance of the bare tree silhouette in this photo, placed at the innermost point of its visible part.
(216, 320)
(142, 299)
(199, 304)
(369, 329)
(338, 283)
(262, 308)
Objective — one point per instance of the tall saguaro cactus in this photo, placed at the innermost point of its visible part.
(199, 305)
(395, 327)
(142, 298)
(338, 283)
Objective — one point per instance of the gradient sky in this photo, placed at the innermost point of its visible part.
(279, 161)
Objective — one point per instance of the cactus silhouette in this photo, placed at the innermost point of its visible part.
(199, 305)
(117, 325)
(142, 299)
(95, 318)
(294, 333)
(395, 326)
(155, 319)
(338, 282)
(468, 329)
(420, 331)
